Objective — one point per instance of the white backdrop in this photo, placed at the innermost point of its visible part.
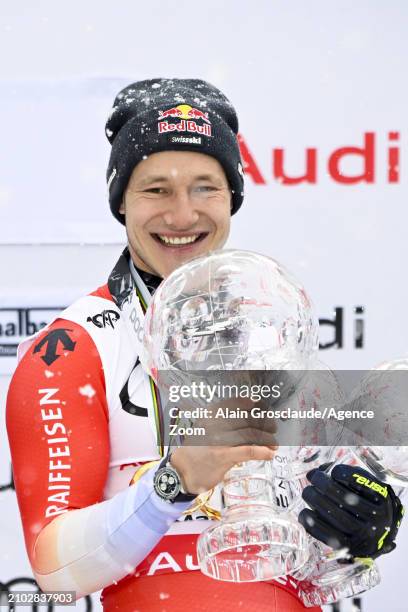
(318, 75)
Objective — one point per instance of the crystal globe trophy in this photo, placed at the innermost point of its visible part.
(237, 311)
(319, 394)
(331, 575)
(325, 584)
(324, 578)
(384, 390)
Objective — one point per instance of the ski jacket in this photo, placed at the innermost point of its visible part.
(82, 417)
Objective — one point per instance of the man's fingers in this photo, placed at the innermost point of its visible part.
(317, 528)
(343, 496)
(240, 436)
(238, 454)
(332, 513)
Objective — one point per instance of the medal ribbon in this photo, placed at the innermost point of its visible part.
(158, 411)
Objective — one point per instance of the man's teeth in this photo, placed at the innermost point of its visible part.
(178, 240)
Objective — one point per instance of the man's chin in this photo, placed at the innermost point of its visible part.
(164, 260)
(174, 257)
(181, 259)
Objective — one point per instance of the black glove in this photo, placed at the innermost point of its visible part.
(351, 509)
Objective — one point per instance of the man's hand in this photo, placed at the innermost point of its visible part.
(202, 467)
(351, 509)
(237, 428)
(228, 441)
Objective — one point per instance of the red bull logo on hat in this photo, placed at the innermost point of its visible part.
(188, 116)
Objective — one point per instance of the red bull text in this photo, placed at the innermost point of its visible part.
(187, 115)
(185, 126)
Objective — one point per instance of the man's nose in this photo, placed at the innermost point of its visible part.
(181, 213)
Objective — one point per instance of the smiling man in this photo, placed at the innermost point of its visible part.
(102, 506)
(81, 413)
(177, 206)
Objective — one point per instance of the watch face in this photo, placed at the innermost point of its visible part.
(167, 483)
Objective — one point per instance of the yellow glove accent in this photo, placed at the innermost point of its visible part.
(381, 540)
(365, 561)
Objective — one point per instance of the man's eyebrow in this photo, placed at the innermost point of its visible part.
(156, 178)
(152, 178)
(208, 177)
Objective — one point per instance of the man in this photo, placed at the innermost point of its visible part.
(82, 415)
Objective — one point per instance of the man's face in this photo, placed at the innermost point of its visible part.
(177, 206)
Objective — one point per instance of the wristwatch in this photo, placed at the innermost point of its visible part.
(167, 484)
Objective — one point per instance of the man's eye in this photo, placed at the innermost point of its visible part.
(158, 190)
(205, 188)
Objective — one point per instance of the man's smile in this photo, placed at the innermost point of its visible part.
(178, 241)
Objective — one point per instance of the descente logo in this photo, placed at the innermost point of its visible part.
(366, 155)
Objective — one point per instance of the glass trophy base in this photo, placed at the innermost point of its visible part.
(252, 543)
(337, 581)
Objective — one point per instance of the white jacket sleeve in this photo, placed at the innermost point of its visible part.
(88, 549)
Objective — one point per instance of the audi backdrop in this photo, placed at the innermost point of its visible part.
(322, 98)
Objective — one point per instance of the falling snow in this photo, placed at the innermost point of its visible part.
(87, 391)
(114, 109)
(351, 499)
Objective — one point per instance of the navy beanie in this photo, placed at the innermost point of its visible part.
(171, 115)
